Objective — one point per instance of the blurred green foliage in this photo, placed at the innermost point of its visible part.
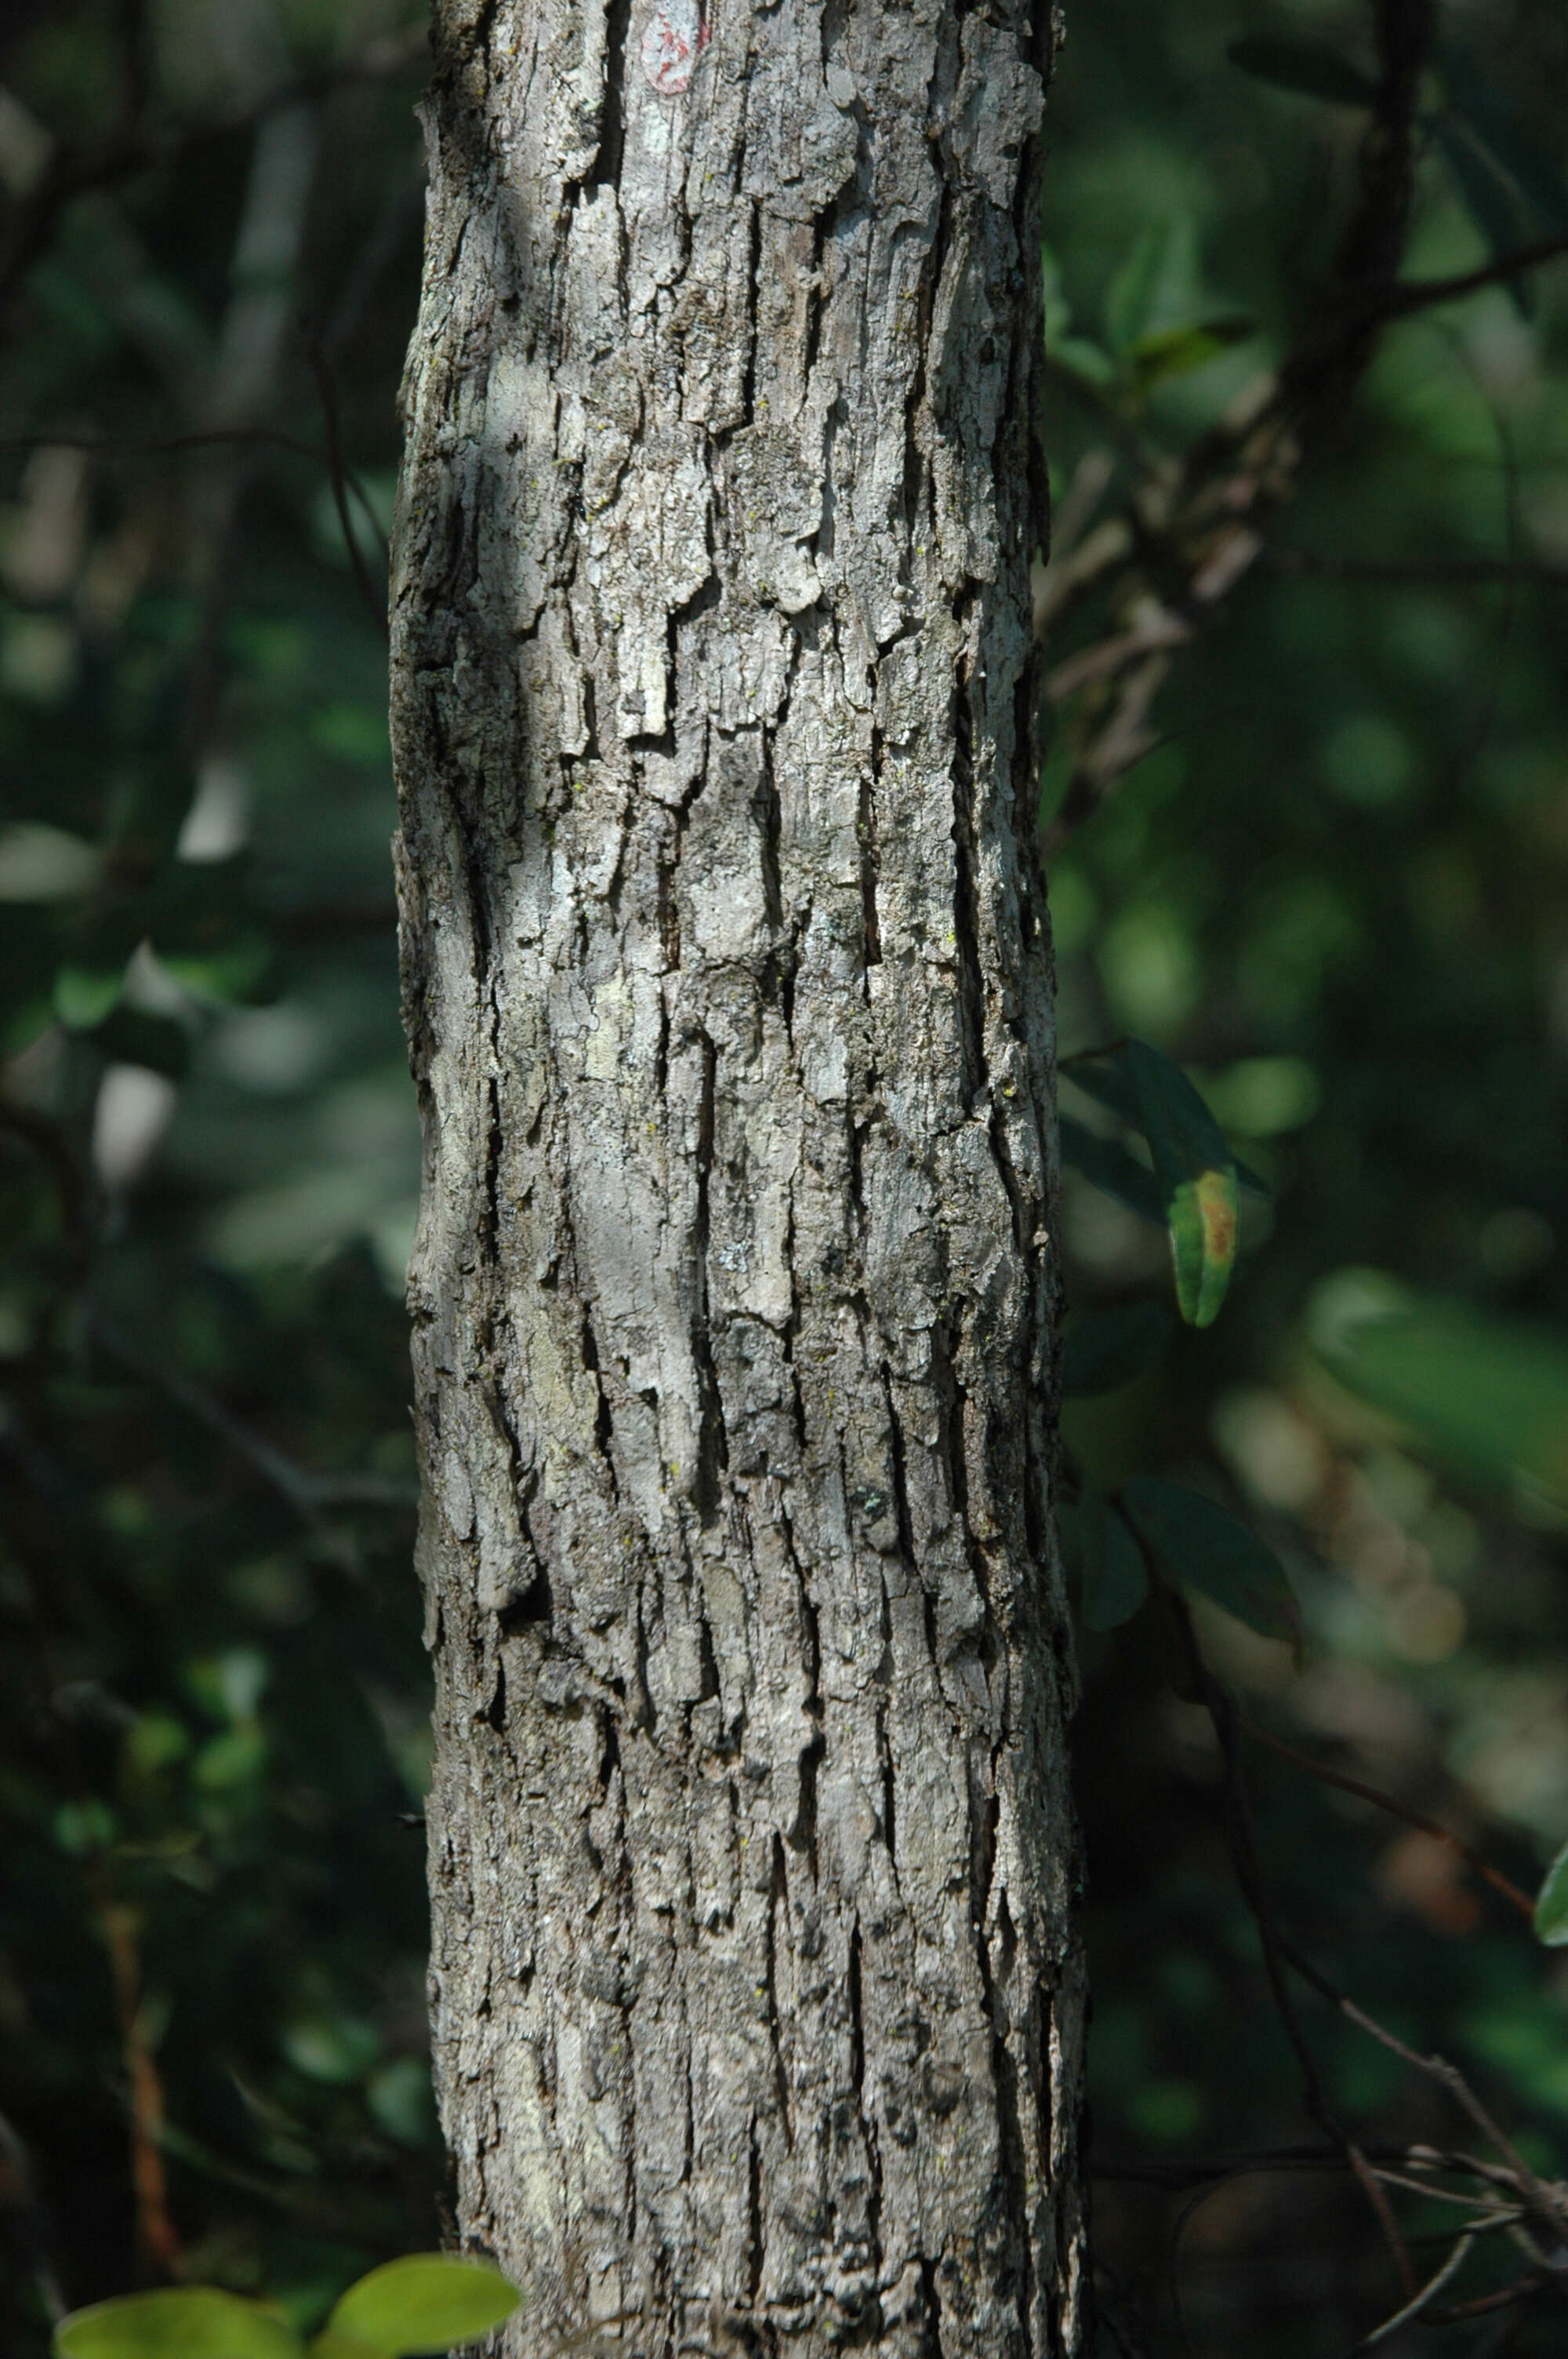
(214, 1707)
(1332, 888)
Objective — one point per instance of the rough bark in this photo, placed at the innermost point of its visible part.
(756, 2000)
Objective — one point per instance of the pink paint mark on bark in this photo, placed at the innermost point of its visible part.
(672, 40)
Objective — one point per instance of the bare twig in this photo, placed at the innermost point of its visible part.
(156, 2234)
(1248, 1863)
(1506, 2297)
(1419, 294)
(1500, 1883)
(1108, 657)
(309, 1495)
(338, 477)
(162, 445)
(1549, 572)
(1251, 462)
(1418, 2302)
(134, 145)
(1448, 2076)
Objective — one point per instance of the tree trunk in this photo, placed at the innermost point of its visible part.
(756, 2002)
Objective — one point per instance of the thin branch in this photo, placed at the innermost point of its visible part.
(307, 1493)
(1247, 1861)
(157, 2236)
(1549, 572)
(1413, 2308)
(1505, 2298)
(1249, 1875)
(1448, 2076)
(159, 445)
(1495, 2215)
(1263, 2159)
(1159, 629)
(1417, 294)
(130, 149)
(1500, 1883)
(113, 447)
(339, 479)
(335, 922)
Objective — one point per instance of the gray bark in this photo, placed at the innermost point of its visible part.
(756, 1999)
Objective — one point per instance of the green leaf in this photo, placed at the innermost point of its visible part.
(1204, 1548)
(242, 974)
(176, 2323)
(1113, 1346)
(1488, 199)
(1116, 1579)
(1194, 1171)
(1311, 69)
(1203, 1215)
(1168, 353)
(84, 995)
(1483, 1394)
(423, 2303)
(1552, 1904)
(1158, 286)
(1109, 1168)
(1076, 356)
(1106, 1077)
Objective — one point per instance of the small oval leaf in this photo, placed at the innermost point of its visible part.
(1552, 1905)
(423, 2303)
(1204, 1548)
(176, 2323)
(1204, 1215)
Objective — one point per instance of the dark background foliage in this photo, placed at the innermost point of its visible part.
(1332, 883)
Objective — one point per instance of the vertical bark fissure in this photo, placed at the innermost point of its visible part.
(713, 1453)
(729, 996)
(611, 137)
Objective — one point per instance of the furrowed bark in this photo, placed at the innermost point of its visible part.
(756, 1997)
